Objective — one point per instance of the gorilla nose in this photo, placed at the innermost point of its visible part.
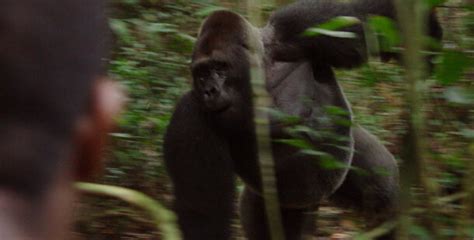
(211, 93)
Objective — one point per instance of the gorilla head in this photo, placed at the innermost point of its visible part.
(226, 48)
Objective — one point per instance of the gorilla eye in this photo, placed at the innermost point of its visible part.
(220, 69)
(219, 72)
(222, 75)
(220, 66)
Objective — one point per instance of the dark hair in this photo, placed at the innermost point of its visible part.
(50, 52)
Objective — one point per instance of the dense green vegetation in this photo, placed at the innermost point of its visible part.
(153, 41)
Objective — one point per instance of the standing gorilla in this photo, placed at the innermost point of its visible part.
(211, 135)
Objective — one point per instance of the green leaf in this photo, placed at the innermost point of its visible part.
(420, 232)
(339, 22)
(378, 231)
(329, 162)
(314, 153)
(282, 117)
(434, 3)
(121, 135)
(329, 28)
(343, 122)
(470, 231)
(312, 32)
(336, 111)
(325, 160)
(299, 143)
(382, 171)
(386, 30)
(160, 28)
(206, 11)
(186, 37)
(452, 66)
(120, 28)
(302, 129)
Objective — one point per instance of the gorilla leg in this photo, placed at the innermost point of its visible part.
(371, 188)
(201, 170)
(296, 222)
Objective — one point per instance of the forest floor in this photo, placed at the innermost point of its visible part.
(125, 223)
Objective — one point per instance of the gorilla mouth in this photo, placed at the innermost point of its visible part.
(217, 106)
(221, 109)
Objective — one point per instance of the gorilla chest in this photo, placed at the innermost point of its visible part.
(297, 93)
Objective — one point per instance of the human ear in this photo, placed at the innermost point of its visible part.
(106, 102)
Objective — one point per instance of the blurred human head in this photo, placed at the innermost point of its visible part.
(56, 107)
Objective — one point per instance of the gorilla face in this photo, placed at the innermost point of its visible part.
(211, 85)
(221, 64)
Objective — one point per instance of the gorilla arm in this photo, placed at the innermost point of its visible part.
(283, 35)
(200, 167)
(284, 41)
(372, 189)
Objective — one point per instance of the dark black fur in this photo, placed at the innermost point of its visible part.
(287, 25)
(211, 135)
(202, 142)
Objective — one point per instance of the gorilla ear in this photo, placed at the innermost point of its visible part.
(107, 99)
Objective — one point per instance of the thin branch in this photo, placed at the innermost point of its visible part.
(262, 101)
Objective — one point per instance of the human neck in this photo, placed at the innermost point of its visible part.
(45, 219)
(14, 217)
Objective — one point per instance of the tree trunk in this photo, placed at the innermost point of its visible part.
(412, 17)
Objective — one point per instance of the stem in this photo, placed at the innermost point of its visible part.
(262, 101)
(164, 219)
(412, 16)
(469, 188)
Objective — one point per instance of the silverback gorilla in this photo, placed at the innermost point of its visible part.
(211, 135)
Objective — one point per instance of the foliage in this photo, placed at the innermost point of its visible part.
(153, 44)
(164, 219)
(333, 28)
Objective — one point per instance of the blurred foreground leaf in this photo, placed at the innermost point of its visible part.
(434, 3)
(329, 28)
(386, 30)
(206, 11)
(452, 66)
(164, 219)
(420, 232)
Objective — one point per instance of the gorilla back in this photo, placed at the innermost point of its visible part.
(211, 135)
